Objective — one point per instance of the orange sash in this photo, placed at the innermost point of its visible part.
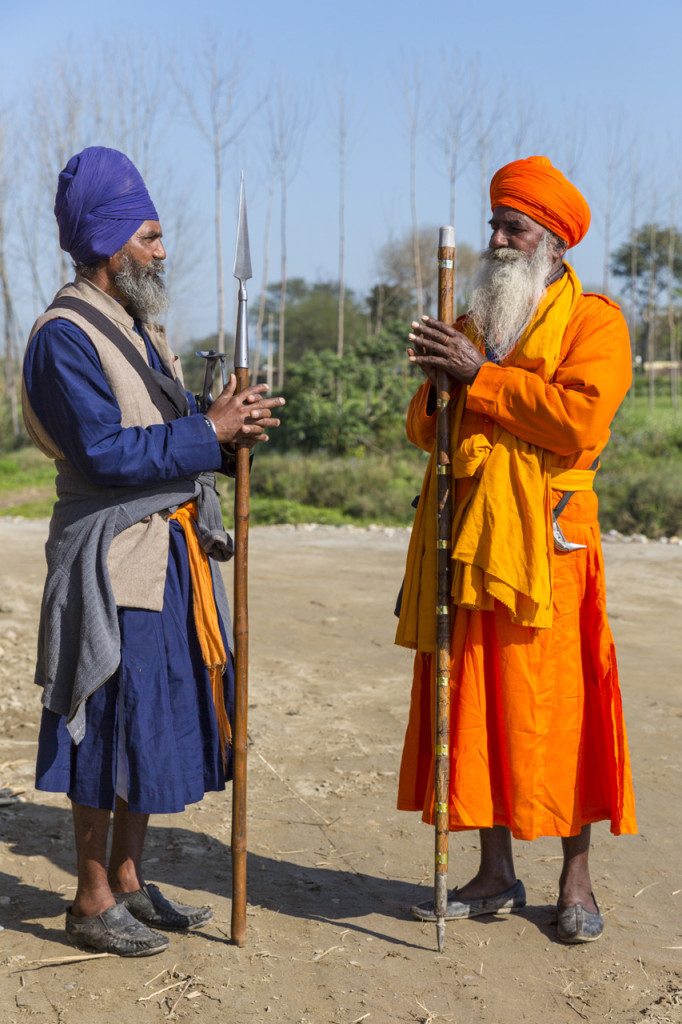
(206, 619)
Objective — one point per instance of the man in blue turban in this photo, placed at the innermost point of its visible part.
(134, 647)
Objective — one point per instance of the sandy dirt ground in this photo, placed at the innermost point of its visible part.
(333, 867)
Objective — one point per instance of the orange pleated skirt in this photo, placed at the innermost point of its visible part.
(537, 737)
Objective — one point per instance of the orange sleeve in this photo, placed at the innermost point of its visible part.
(420, 425)
(573, 412)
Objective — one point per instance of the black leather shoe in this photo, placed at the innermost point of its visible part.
(575, 924)
(150, 906)
(513, 898)
(114, 931)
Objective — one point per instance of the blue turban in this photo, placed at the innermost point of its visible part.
(101, 202)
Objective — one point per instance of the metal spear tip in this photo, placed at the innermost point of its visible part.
(440, 934)
(242, 256)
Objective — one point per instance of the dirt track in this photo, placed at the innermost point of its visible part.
(333, 866)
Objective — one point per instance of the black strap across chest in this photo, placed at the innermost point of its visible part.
(166, 393)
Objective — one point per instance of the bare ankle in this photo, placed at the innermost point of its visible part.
(129, 880)
(89, 903)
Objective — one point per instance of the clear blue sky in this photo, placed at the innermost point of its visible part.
(598, 61)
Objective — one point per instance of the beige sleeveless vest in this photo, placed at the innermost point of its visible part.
(138, 556)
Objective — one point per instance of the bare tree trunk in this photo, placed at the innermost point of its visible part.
(651, 318)
(458, 95)
(613, 200)
(281, 330)
(30, 250)
(10, 368)
(412, 91)
(343, 132)
(220, 126)
(220, 281)
(6, 304)
(483, 181)
(488, 119)
(381, 299)
(632, 305)
(607, 235)
(418, 287)
(672, 324)
(271, 343)
(288, 125)
(262, 299)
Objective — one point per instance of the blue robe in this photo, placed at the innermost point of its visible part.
(160, 698)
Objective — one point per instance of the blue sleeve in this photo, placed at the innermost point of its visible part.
(72, 399)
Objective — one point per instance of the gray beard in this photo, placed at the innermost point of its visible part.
(143, 288)
(507, 289)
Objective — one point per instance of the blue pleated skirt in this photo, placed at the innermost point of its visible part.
(153, 723)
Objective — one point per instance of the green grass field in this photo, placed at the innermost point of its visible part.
(639, 484)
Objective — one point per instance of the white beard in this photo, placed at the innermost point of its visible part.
(143, 287)
(507, 289)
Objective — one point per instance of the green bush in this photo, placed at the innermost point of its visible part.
(645, 497)
(362, 489)
(352, 405)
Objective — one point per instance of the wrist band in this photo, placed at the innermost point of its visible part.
(211, 425)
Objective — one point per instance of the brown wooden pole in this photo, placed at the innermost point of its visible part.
(241, 681)
(446, 313)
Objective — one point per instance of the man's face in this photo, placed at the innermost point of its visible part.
(146, 245)
(514, 230)
(137, 272)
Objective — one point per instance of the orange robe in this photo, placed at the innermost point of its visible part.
(537, 738)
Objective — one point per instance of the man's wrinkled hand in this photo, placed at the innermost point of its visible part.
(436, 346)
(244, 418)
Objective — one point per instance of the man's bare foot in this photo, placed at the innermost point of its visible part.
(577, 891)
(485, 885)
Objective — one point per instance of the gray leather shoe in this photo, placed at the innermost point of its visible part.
(150, 906)
(505, 902)
(575, 924)
(114, 931)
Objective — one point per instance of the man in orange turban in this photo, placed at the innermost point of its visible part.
(537, 739)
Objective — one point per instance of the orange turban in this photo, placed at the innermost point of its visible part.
(539, 190)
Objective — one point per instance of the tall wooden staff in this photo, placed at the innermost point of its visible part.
(242, 271)
(446, 289)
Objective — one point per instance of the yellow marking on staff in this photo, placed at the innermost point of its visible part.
(443, 680)
(441, 808)
(442, 858)
(444, 544)
(442, 470)
(441, 749)
(442, 609)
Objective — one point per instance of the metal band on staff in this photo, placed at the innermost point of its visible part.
(446, 288)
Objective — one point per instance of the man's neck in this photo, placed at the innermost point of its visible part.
(105, 282)
(556, 273)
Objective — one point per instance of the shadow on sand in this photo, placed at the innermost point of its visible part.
(194, 860)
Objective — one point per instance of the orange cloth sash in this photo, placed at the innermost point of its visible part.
(502, 542)
(572, 479)
(206, 619)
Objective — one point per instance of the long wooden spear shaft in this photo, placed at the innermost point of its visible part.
(242, 500)
(446, 289)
